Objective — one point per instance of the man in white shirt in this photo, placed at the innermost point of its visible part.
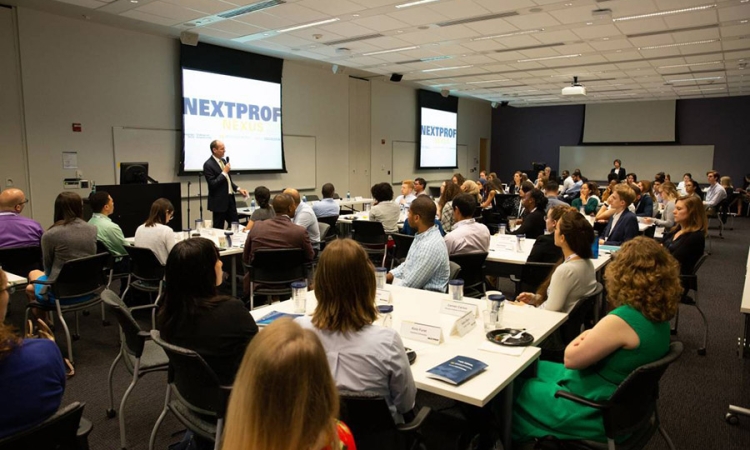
(716, 192)
(567, 181)
(304, 216)
(407, 194)
(467, 236)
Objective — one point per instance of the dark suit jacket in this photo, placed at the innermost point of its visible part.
(645, 207)
(533, 224)
(545, 250)
(621, 174)
(278, 232)
(218, 198)
(625, 229)
(687, 250)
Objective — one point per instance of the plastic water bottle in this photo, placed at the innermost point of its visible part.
(304, 199)
(93, 187)
(252, 205)
(348, 196)
(595, 245)
(228, 237)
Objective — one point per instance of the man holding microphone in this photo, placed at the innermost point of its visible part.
(221, 189)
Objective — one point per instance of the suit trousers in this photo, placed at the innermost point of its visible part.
(228, 216)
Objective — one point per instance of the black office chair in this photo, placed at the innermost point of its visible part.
(650, 231)
(533, 275)
(78, 278)
(631, 410)
(146, 275)
(67, 429)
(275, 270)
(581, 317)
(331, 221)
(194, 394)
(372, 425)
(402, 244)
(137, 351)
(690, 282)
(21, 260)
(371, 236)
(324, 238)
(472, 272)
(312, 197)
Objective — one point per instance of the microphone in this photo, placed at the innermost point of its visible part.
(227, 160)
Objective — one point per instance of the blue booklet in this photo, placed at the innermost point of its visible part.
(457, 370)
(273, 315)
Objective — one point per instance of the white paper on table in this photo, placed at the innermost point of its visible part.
(488, 346)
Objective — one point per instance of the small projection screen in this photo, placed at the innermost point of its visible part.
(438, 118)
(630, 122)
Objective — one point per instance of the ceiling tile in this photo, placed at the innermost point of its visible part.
(347, 29)
(388, 42)
(332, 7)
(376, 3)
(734, 12)
(597, 31)
(150, 18)
(93, 4)
(381, 23)
(580, 14)
(418, 16)
(505, 5)
(611, 44)
(265, 20)
(216, 33)
(492, 27)
(235, 27)
(170, 11)
(549, 37)
(539, 53)
(209, 7)
(519, 41)
(642, 26)
(296, 13)
(694, 19)
(458, 9)
(532, 21)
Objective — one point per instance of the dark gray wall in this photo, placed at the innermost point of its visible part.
(523, 135)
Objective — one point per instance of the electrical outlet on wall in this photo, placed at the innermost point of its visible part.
(79, 174)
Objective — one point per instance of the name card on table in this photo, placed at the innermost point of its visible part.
(454, 308)
(421, 332)
(358, 199)
(464, 324)
(505, 242)
(384, 296)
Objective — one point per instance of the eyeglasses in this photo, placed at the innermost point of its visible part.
(23, 202)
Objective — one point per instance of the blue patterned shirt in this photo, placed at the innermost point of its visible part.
(426, 265)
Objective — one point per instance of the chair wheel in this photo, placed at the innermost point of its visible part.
(76, 337)
(731, 419)
(702, 351)
(86, 312)
(111, 413)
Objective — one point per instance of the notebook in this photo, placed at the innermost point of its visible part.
(457, 370)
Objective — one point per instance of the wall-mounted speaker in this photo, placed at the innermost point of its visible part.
(396, 77)
(188, 38)
(445, 92)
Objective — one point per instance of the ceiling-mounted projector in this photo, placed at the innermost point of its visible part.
(575, 89)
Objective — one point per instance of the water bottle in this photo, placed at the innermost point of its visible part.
(385, 311)
(595, 246)
(93, 187)
(497, 303)
(304, 199)
(252, 205)
(348, 196)
(228, 236)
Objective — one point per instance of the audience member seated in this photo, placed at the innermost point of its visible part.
(644, 199)
(458, 179)
(155, 234)
(541, 180)
(623, 224)
(407, 229)
(492, 188)
(407, 194)
(384, 210)
(426, 265)
(472, 188)
(467, 236)
(612, 181)
(446, 211)
(279, 232)
(692, 188)
(285, 379)
(658, 200)
(364, 357)
(618, 170)
(715, 193)
(68, 238)
(107, 232)
(589, 199)
(571, 192)
(304, 216)
(686, 241)
(193, 316)
(32, 379)
(15, 229)
(566, 180)
(632, 178)
(681, 186)
(669, 196)
(327, 207)
(635, 333)
(533, 225)
(544, 249)
(574, 277)
(526, 187)
(551, 192)
(264, 210)
(4, 295)
(419, 187)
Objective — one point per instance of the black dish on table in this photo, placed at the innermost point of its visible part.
(411, 355)
(497, 336)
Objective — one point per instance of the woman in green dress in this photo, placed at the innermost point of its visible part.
(644, 288)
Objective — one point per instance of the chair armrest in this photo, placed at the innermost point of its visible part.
(44, 282)
(150, 306)
(415, 423)
(580, 400)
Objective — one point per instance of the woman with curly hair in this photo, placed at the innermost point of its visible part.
(644, 288)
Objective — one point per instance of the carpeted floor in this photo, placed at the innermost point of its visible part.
(696, 390)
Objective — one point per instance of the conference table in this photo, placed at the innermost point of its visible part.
(744, 340)
(351, 203)
(504, 363)
(502, 253)
(14, 281)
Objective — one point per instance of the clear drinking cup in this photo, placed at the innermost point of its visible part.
(299, 296)
(380, 275)
(456, 289)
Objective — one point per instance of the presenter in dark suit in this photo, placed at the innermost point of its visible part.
(534, 223)
(221, 189)
(618, 170)
(623, 225)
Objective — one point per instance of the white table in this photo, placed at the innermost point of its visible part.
(365, 215)
(424, 307)
(350, 203)
(744, 340)
(498, 254)
(14, 281)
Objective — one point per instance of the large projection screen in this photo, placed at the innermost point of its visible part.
(630, 122)
(595, 161)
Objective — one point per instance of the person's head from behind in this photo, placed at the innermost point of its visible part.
(451, 191)
(382, 192)
(162, 212)
(726, 182)
(68, 207)
(345, 288)
(419, 185)
(284, 380)
(526, 187)
(645, 277)
(492, 176)
(612, 179)
(551, 188)
(668, 191)
(690, 214)
(458, 179)
(617, 163)
(328, 190)
(101, 203)
(283, 204)
(575, 233)
(661, 177)
(470, 187)
(464, 206)
(12, 200)
(554, 214)
(636, 191)
(262, 196)
(422, 213)
(407, 187)
(622, 197)
(192, 272)
(632, 178)
(294, 194)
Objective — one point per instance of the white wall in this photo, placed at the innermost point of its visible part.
(74, 71)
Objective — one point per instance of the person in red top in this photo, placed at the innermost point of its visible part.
(284, 397)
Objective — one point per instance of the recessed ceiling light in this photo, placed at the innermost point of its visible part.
(487, 81)
(400, 31)
(589, 23)
(684, 80)
(681, 44)
(420, 2)
(665, 13)
(496, 36)
(401, 49)
(355, 15)
(700, 90)
(447, 68)
(709, 63)
(133, 1)
(308, 25)
(605, 39)
(549, 57)
(743, 21)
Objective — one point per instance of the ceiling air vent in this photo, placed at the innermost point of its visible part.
(478, 19)
(251, 8)
(354, 39)
(674, 30)
(532, 47)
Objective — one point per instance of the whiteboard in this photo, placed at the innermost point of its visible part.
(405, 163)
(161, 149)
(595, 162)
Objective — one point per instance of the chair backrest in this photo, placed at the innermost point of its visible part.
(583, 308)
(472, 267)
(369, 232)
(331, 221)
(691, 281)
(21, 260)
(128, 325)
(631, 406)
(403, 244)
(81, 276)
(56, 433)
(194, 382)
(455, 270)
(312, 197)
(241, 203)
(144, 265)
(533, 275)
(369, 419)
(650, 231)
(277, 265)
(324, 231)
